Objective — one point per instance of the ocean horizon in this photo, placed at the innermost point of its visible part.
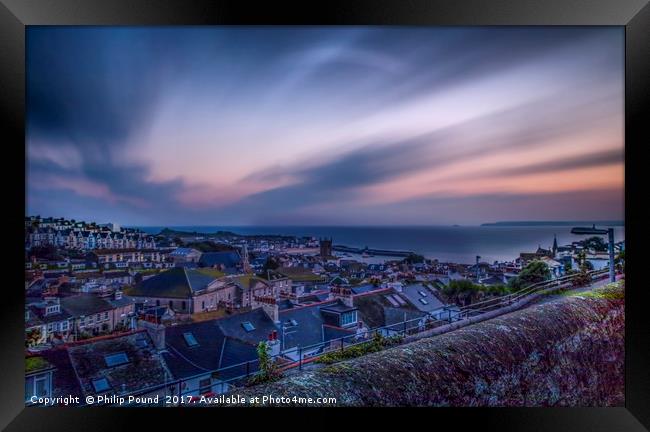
(447, 243)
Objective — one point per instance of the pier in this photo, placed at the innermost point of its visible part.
(377, 252)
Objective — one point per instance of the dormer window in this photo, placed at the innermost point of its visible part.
(348, 318)
(52, 309)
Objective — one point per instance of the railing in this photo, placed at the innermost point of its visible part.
(509, 299)
(237, 375)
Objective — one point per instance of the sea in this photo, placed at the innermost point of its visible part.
(458, 244)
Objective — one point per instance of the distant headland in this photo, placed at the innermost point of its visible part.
(554, 223)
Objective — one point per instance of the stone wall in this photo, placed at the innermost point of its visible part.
(569, 352)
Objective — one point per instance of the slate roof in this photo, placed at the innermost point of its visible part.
(124, 301)
(214, 350)
(176, 282)
(331, 332)
(40, 317)
(116, 274)
(360, 289)
(144, 367)
(84, 304)
(412, 295)
(232, 326)
(376, 311)
(225, 258)
(184, 251)
(285, 304)
(310, 328)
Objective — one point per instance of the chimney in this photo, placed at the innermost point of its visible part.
(155, 331)
(269, 306)
(273, 344)
(342, 293)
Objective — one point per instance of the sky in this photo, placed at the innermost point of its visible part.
(325, 125)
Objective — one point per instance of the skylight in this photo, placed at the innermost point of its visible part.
(100, 385)
(248, 326)
(422, 293)
(116, 359)
(392, 301)
(423, 301)
(190, 340)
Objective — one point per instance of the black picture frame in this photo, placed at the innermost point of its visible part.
(15, 15)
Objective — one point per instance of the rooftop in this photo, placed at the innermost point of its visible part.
(177, 282)
(127, 363)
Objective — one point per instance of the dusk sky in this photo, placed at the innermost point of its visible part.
(325, 125)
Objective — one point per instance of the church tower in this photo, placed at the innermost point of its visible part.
(325, 248)
(554, 245)
(244, 259)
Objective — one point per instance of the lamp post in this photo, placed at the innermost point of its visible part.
(610, 234)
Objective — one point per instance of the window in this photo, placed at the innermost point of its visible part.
(205, 386)
(97, 317)
(101, 385)
(423, 301)
(348, 318)
(41, 385)
(190, 340)
(105, 315)
(116, 359)
(183, 305)
(202, 305)
(391, 300)
(157, 302)
(64, 326)
(52, 309)
(248, 326)
(170, 304)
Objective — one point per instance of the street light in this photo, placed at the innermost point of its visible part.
(595, 231)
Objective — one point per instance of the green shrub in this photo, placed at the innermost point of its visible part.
(377, 343)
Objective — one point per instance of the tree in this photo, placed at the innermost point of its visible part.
(462, 291)
(48, 252)
(619, 262)
(269, 370)
(414, 259)
(270, 264)
(582, 278)
(535, 271)
(595, 243)
(32, 337)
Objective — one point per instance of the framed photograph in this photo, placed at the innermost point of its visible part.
(368, 205)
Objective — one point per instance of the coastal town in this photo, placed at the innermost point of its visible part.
(116, 311)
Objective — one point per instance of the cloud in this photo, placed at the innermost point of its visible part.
(95, 97)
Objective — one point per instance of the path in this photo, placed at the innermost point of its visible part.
(597, 284)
